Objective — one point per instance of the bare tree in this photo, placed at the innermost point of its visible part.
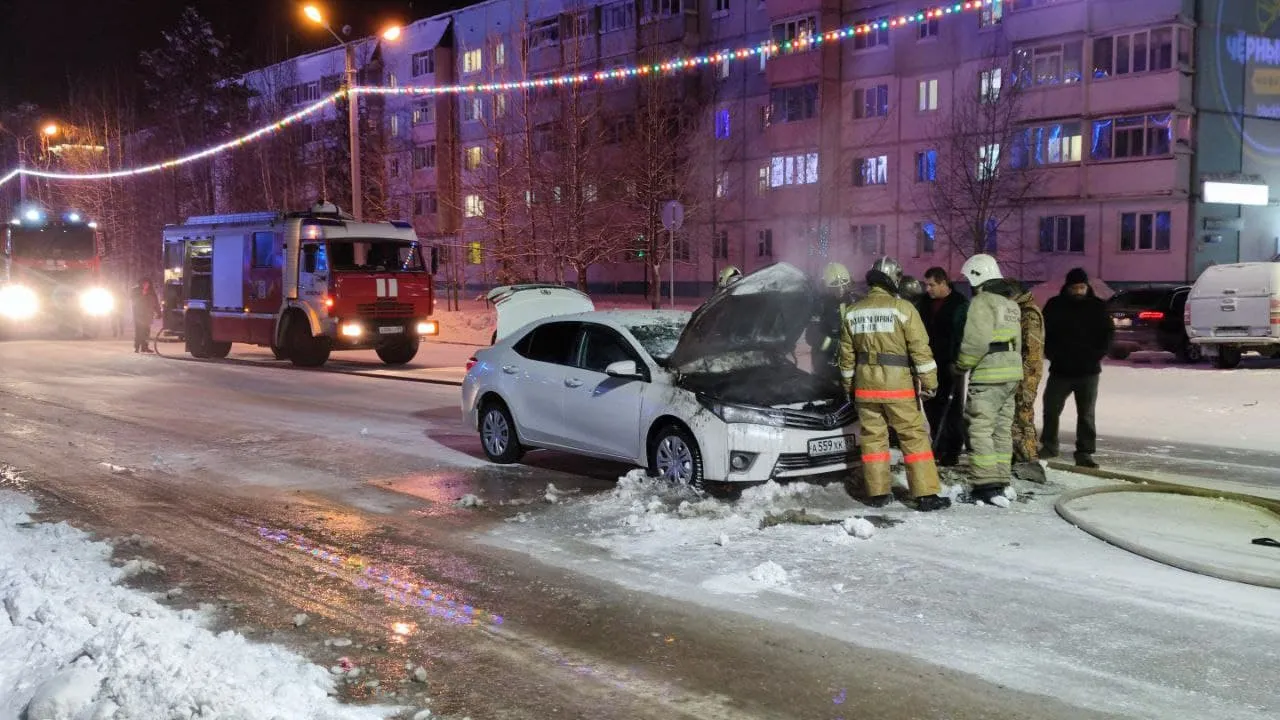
(981, 179)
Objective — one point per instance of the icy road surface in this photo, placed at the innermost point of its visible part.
(267, 493)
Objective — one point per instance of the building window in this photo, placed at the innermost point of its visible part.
(877, 34)
(473, 206)
(764, 243)
(927, 166)
(472, 108)
(871, 102)
(722, 8)
(652, 10)
(309, 92)
(590, 193)
(869, 239)
(722, 184)
(545, 33)
(800, 169)
(795, 103)
(763, 180)
(393, 167)
(988, 161)
(472, 60)
(992, 244)
(1062, 234)
(424, 114)
(619, 130)
(1135, 136)
(499, 105)
(926, 238)
(424, 63)
(927, 29)
(722, 67)
(1056, 144)
(424, 157)
(794, 35)
(766, 116)
(928, 95)
(474, 157)
(989, 85)
(1143, 51)
(617, 16)
(991, 13)
(425, 203)
(722, 123)
(720, 245)
(764, 60)
(871, 171)
(1051, 64)
(1145, 231)
(499, 54)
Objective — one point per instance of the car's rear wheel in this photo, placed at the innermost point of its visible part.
(674, 456)
(1190, 353)
(498, 434)
(1228, 358)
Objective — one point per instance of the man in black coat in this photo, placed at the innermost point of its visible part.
(1077, 335)
(944, 312)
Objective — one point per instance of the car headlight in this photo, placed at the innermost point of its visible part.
(18, 302)
(742, 415)
(97, 302)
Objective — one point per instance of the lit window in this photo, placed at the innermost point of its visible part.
(475, 157)
(799, 169)
(927, 166)
(1056, 144)
(472, 60)
(473, 206)
(928, 92)
(988, 161)
(871, 171)
(989, 85)
(1135, 136)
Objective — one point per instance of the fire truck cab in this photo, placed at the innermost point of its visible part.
(303, 284)
(51, 273)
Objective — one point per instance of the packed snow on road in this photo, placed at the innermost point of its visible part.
(1016, 596)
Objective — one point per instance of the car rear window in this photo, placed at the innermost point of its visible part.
(1139, 298)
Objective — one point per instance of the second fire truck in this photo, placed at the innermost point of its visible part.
(303, 284)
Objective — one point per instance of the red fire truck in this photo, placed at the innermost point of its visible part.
(51, 273)
(303, 284)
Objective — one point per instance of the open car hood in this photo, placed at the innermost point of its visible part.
(764, 312)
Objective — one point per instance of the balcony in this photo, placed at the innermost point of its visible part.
(1136, 92)
(786, 68)
(1166, 176)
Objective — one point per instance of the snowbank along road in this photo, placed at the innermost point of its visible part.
(553, 589)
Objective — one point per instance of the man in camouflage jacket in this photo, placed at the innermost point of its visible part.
(1025, 440)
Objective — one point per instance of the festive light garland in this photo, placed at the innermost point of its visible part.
(622, 73)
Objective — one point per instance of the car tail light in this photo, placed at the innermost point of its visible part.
(1186, 314)
(1275, 311)
(1150, 315)
(471, 363)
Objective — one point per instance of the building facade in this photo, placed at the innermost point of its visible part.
(1052, 133)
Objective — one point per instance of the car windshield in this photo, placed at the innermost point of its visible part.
(1139, 298)
(658, 335)
(53, 243)
(375, 255)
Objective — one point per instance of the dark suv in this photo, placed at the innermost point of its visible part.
(1151, 319)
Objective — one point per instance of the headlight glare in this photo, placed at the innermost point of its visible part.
(97, 302)
(18, 302)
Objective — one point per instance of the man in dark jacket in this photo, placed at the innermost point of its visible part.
(146, 307)
(1077, 335)
(944, 312)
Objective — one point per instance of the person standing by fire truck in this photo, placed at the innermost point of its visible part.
(146, 308)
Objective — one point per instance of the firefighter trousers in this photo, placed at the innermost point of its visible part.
(906, 419)
(990, 413)
(1025, 439)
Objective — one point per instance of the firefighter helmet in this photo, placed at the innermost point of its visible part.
(885, 273)
(981, 268)
(910, 289)
(728, 276)
(836, 276)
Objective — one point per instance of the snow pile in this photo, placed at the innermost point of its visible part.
(769, 574)
(860, 528)
(10, 476)
(469, 501)
(75, 645)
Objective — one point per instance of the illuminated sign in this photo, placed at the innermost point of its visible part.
(1236, 193)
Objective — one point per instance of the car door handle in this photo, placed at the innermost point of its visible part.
(573, 383)
(509, 369)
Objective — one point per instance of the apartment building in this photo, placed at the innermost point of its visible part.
(836, 150)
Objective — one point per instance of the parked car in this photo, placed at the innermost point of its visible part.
(1151, 319)
(715, 395)
(1235, 308)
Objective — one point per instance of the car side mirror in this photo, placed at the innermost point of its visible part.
(623, 369)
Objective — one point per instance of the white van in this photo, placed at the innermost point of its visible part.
(1233, 309)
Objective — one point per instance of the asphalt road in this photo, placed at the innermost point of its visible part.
(271, 491)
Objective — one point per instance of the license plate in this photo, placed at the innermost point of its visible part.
(391, 330)
(830, 446)
(1230, 331)
(1122, 322)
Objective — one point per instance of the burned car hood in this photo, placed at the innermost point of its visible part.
(763, 314)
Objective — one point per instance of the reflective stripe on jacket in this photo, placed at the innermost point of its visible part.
(882, 324)
(992, 345)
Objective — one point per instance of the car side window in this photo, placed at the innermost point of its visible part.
(603, 348)
(555, 343)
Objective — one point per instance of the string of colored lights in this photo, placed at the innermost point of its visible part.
(668, 67)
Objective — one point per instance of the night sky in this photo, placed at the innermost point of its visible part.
(45, 45)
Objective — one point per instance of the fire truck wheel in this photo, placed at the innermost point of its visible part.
(219, 349)
(279, 353)
(399, 353)
(199, 341)
(305, 350)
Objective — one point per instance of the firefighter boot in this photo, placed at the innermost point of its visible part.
(989, 494)
(929, 503)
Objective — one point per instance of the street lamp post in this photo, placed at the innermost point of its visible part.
(353, 108)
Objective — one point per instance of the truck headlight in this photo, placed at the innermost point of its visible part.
(741, 414)
(97, 302)
(18, 302)
(352, 329)
(428, 327)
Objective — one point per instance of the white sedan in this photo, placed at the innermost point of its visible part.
(712, 396)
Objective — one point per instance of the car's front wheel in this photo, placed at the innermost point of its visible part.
(498, 434)
(674, 456)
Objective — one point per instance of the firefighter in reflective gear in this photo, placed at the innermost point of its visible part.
(1025, 456)
(823, 335)
(991, 352)
(885, 361)
(728, 276)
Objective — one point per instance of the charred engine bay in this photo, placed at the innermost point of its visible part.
(770, 385)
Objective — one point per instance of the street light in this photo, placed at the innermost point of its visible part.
(50, 130)
(353, 111)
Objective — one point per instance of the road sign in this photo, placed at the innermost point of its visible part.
(672, 215)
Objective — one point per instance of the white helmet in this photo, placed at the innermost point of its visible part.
(981, 268)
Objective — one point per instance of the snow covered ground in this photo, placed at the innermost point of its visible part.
(1016, 596)
(76, 645)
